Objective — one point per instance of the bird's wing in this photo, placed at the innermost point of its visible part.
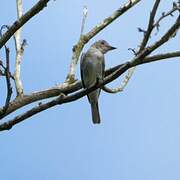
(81, 65)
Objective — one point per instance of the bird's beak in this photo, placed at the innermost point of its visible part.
(111, 48)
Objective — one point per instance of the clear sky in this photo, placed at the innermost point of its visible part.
(139, 137)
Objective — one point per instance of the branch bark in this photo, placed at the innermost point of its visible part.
(19, 52)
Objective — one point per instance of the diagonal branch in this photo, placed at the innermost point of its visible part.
(169, 34)
(40, 95)
(85, 38)
(61, 100)
(150, 26)
(123, 83)
(19, 23)
(148, 59)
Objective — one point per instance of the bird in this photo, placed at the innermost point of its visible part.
(92, 67)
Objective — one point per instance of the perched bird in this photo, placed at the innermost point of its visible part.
(92, 68)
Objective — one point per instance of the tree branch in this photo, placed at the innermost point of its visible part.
(8, 81)
(165, 14)
(40, 95)
(61, 100)
(147, 34)
(123, 83)
(147, 59)
(169, 34)
(85, 38)
(19, 23)
(19, 52)
(161, 57)
(150, 25)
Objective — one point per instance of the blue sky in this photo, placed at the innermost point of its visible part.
(139, 135)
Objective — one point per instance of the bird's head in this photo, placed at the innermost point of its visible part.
(103, 46)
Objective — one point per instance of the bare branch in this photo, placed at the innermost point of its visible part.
(161, 57)
(147, 59)
(142, 46)
(85, 38)
(164, 15)
(150, 25)
(4, 68)
(169, 34)
(123, 83)
(19, 23)
(44, 94)
(61, 100)
(8, 81)
(19, 52)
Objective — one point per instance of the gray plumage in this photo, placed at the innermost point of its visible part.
(92, 67)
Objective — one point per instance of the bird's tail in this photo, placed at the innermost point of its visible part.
(95, 113)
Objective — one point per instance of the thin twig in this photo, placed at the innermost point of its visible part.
(8, 81)
(4, 68)
(164, 15)
(168, 35)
